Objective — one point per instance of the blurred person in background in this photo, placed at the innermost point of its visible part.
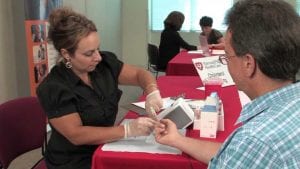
(214, 37)
(170, 40)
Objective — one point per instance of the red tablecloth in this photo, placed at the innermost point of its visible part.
(182, 65)
(172, 86)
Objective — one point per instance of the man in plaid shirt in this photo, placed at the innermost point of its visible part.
(262, 46)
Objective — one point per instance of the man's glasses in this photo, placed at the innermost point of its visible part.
(223, 59)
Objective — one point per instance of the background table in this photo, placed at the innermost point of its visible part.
(182, 64)
(172, 86)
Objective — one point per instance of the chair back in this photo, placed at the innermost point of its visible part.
(22, 128)
(152, 54)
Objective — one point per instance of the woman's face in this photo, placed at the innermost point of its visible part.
(87, 56)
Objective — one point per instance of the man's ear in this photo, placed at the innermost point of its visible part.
(249, 65)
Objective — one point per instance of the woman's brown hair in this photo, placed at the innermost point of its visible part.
(174, 20)
(67, 28)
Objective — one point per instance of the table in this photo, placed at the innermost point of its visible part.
(172, 86)
(182, 64)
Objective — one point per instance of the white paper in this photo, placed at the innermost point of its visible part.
(201, 88)
(145, 144)
(244, 99)
(196, 103)
(218, 52)
(196, 51)
(167, 102)
(210, 67)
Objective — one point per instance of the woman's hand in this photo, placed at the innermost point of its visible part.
(153, 103)
(141, 126)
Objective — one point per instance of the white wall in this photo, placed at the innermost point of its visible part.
(134, 31)
(77, 5)
(8, 76)
(106, 14)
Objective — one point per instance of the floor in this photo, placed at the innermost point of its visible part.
(27, 160)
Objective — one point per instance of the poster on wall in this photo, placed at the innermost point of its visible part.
(41, 54)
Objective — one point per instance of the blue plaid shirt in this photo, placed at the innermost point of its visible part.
(269, 136)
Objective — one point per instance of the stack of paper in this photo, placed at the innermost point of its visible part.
(145, 144)
(218, 52)
(195, 51)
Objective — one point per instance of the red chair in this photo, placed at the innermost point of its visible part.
(22, 129)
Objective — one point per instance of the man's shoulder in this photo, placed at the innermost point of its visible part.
(277, 127)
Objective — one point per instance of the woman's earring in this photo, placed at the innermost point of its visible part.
(68, 64)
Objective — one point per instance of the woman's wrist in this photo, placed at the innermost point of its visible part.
(125, 130)
(150, 88)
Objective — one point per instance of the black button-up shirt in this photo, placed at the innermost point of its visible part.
(62, 92)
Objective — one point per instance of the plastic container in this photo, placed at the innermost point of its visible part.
(213, 85)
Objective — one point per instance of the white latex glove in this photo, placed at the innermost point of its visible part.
(141, 126)
(153, 103)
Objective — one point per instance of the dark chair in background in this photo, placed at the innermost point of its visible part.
(153, 55)
(22, 129)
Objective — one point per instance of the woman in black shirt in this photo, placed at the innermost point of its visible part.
(170, 39)
(80, 95)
